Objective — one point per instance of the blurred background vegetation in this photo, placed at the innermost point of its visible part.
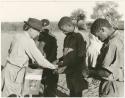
(18, 26)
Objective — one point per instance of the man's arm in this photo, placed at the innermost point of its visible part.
(69, 59)
(108, 60)
(98, 72)
(34, 53)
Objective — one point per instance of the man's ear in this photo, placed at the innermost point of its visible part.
(103, 29)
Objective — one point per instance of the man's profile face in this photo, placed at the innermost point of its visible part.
(102, 34)
(67, 28)
(34, 33)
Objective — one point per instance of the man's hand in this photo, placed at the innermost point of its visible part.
(55, 62)
(62, 69)
(60, 63)
(59, 69)
(56, 66)
(55, 71)
(53, 67)
(85, 73)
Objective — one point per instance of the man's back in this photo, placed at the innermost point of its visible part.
(17, 50)
(49, 47)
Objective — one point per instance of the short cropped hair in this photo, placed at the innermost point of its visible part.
(65, 21)
(26, 27)
(98, 24)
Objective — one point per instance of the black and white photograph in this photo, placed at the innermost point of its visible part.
(62, 48)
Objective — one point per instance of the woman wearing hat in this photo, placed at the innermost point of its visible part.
(22, 48)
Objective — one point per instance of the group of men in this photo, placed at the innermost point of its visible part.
(80, 60)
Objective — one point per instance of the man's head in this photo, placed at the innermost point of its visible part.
(43, 34)
(33, 27)
(65, 24)
(82, 25)
(45, 22)
(101, 28)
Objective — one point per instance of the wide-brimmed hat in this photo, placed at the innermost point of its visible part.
(34, 23)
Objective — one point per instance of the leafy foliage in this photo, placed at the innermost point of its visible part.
(107, 10)
(78, 14)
